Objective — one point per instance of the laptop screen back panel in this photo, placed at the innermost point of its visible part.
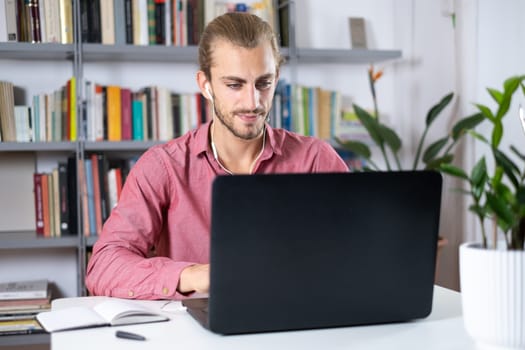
(311, 251)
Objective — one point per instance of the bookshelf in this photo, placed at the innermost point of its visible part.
(76, 57)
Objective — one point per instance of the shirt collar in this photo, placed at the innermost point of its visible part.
(202, 141)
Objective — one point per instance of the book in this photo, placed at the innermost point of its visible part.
(72, 108)
(24, 306)
(24, 326)
(119, 14)
(66, 22)
(56, 203)
(111, 312)
(39, 204)
(7, 111)
(63, 194)
(52, 22)
(24, 289)
(126, 118)
(51, 204)
(72, 195)
(46, 210)
(34, 15)
(88, 171)
(10, 17)
(97, 193)
(107, 22)
(128, 20)
(114, 113)
(357, 32)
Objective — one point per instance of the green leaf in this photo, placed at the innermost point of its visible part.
(517, 153)
(435, 164)
(509, 167)
(479, 173)
(503, 192)
(390, 137)
(496, 95)
(520, 195)
(454, 171)
(370, 123)
(433, 150)
(357, 147)
(437, 108)
(498, 176)
(511, 84)
(465, 124)
(509, 87)
(486, 112)
(479, 210)
(478, 136)
(497, 133)
(502, 211)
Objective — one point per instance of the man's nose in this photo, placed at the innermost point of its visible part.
(251, 98)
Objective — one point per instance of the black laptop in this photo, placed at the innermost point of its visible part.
(304, 251)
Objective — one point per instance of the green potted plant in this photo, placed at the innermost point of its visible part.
(389, 143)
(492, 274)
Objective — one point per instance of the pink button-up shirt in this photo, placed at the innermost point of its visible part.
(165, 206)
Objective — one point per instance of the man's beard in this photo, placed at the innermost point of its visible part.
(229, 123)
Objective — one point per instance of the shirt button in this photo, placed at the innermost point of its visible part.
(130, 293)
(165, 290)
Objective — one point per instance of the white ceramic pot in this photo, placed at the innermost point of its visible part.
(492, 294)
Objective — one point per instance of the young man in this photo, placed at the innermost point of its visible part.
(165, 203)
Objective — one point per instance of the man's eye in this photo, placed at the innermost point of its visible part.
(234, 86)
(264, 85)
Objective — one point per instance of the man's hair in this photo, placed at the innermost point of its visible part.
(241, 29)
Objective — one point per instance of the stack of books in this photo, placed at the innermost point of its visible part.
(20, 302)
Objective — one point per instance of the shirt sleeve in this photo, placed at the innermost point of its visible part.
(122, 264)
(328, 160)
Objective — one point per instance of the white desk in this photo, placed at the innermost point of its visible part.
(443, 329)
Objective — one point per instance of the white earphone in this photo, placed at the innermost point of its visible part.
(208, 91)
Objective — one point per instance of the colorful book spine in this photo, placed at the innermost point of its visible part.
(120, 22)
(88, 169)
(97, 194)
(152, 39)
(66, 21)
(45, 205)
(39, 204)
(137, 116)
(126, 114)
(114, 112)
(64, 198)
(10, 16)
(73, 109)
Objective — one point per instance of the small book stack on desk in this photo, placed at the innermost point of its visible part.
(20, 302)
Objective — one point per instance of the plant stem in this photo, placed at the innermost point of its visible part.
(419, 147)
(397, 161)
(483, 233)
(383, 151)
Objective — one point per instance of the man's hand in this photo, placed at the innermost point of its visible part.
(195, 278)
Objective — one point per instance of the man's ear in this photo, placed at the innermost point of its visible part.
(204, 85)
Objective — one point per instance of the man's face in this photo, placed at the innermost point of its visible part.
(243, 84)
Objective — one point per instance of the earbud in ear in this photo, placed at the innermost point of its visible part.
(208, 91)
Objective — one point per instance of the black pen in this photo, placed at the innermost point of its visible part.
(129, 335)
